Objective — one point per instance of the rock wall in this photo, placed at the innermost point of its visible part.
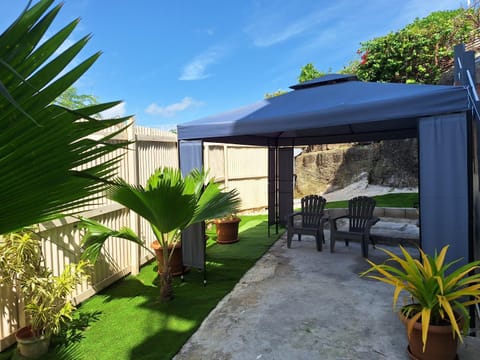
(326, 168)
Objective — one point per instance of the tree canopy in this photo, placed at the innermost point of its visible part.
(71, 99)
(309, 72)
(420, 52)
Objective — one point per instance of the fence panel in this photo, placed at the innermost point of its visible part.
(241, 167)
(61, 245)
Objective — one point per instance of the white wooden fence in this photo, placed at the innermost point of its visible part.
(241, 167)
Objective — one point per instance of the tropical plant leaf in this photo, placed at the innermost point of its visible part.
(96, 234)
(438, 292)
(49, 157)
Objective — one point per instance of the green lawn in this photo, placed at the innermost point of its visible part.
(126, 321)
(398, 200)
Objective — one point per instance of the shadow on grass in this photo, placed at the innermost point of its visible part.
(132, 324)
(65, 345)
(74, 332)
(225, 265)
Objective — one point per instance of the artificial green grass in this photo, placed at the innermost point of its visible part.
(131, 323)
(397, 200)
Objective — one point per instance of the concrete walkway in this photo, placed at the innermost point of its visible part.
(302, 304)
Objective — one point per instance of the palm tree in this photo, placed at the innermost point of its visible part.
(47, 152)
(170, 203)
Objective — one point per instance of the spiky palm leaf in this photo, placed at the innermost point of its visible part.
(45, 149)
(170, 203)
(438, 294)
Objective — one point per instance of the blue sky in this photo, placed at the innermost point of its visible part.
(177, 61)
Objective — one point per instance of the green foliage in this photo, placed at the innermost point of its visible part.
(397, 200)
(157, 331)
(309, 72)
(47, 150)
(71, 99)
(420, 52)
(46, 296)
(438, 293)
(351, 68)
(276, 93)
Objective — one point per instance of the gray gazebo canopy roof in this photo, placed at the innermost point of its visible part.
(339, 108)
(334, 108)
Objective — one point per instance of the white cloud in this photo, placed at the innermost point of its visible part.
(274, 22)
(196, 69)
(115, 112)
(172, 109)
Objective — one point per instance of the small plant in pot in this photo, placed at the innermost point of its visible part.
(436, 314)
(227, 229)
(45, 296)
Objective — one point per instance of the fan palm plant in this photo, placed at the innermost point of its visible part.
(170, 203)
(47, 153)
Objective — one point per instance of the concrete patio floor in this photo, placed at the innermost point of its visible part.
(302, 304)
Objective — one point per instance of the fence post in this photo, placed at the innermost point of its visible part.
(132, 178)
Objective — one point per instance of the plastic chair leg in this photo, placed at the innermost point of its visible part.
(289, 239)
(320, 240)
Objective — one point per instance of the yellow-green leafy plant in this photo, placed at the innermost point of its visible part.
(439, 294)
(46, 296)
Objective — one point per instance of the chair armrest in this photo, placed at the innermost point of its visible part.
(295, 214)
(339, 217)
(291, 216)
(333, 221)
(372, 221)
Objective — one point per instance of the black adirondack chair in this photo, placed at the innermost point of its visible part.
(312, 220)
(360, 220)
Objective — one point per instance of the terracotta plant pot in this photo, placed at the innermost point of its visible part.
(176, 261)
(441, 345)
(29, 345)
(227, 230)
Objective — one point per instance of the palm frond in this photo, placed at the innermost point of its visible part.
(97, 234)
(46, 151)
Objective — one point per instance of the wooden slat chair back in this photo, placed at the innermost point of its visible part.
(360, 210)
(312, 210)
(360, 220)
(312, 220)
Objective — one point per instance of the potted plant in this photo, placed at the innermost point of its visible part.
(170, 203)
(45, 296)
(176, 258)
(436, 314)
(227, 229)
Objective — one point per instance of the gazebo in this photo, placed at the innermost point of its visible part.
(339, 108)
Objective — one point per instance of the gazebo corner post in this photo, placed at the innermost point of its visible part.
(272, 186)
(285, 183)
